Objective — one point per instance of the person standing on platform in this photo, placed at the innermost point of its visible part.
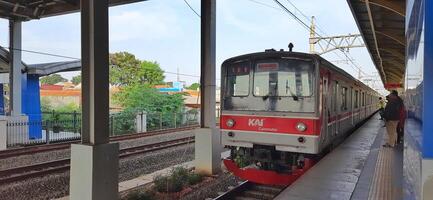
(392, 117)
(381, 106)
(402, 118)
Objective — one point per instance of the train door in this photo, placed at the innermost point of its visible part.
(334, 111)
(325, 109)
(338, 109)
(355, 113)
(351, 105)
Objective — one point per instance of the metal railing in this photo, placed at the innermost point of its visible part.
(67, 126)
(21, 133)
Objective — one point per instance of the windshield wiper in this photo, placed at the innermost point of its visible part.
(295, 98)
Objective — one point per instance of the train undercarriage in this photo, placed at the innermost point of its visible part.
(263, 164)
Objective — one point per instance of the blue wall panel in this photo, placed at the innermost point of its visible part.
(417, 139)
(31, 105)
(427, 145)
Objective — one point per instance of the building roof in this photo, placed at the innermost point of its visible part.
(382, 25)
(36, 9)
(54, 67)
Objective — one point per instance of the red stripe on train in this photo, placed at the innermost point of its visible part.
(271, 124)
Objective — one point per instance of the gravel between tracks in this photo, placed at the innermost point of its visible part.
(220, 184)
(65, 153)
(57, 185)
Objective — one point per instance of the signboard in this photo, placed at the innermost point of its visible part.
(393, 85)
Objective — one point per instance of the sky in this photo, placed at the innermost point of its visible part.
(168, 32)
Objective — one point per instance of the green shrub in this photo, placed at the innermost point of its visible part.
(194, 178)
(180, 173)
(175, 182)
(139, 196)
(168, 183)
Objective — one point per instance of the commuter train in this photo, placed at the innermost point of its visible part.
(280, 109)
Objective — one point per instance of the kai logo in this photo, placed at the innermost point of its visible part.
(255, 122)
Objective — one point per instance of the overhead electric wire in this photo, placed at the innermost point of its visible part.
(41, 53)
(190, 7)
(264, 4)
(175, 73)
(293, 15)
(308, 29)
(306, 17)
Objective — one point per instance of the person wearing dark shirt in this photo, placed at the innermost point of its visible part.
(402, 118)
(392, 118)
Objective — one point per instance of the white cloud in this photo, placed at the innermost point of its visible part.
(134, 25)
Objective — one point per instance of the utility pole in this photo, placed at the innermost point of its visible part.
(328, 44)
(312, 34)
(178, 78)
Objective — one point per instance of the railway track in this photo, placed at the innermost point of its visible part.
(251, 191)
(64, 145)
(62, 165)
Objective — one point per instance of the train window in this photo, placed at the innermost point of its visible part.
(344, 98)
(363, 99)
(356, 103)
(325, 86)
(238, 78)
(284, 78)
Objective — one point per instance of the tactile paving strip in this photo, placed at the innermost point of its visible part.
(382, 187)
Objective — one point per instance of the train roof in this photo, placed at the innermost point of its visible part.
(272, 53)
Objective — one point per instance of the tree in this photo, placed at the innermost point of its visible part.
(194, 86)
(53, 79)
(76, 80)
(126, 70)
(146, 98)
(151, 73)
(159, 106)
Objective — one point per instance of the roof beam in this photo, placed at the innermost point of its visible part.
(71, 8)
(372, 27)
(396, 6)
(393, 52)
(400, 39)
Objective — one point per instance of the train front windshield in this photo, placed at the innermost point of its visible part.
(285, 85)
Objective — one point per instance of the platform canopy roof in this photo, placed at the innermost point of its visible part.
(25, 10)
(41, 69)
(382, 25)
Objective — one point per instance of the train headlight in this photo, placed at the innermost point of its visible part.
(301, 127)
(230, 123)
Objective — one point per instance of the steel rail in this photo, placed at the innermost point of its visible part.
(64, 145)
(250, 190)
(62, 165)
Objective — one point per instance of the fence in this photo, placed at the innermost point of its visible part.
(60, 127)
(21, 133)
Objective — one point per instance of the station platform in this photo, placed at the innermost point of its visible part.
(358, 169)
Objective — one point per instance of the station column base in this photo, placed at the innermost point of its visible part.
(427, 179)
(207, 151)
(94, 172)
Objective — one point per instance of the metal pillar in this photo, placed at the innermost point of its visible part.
(15, 38)
(94, 163)
(207, 138)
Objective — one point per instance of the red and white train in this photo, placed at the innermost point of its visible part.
(280, 109)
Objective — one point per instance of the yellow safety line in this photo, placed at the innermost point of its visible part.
(382, 186)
